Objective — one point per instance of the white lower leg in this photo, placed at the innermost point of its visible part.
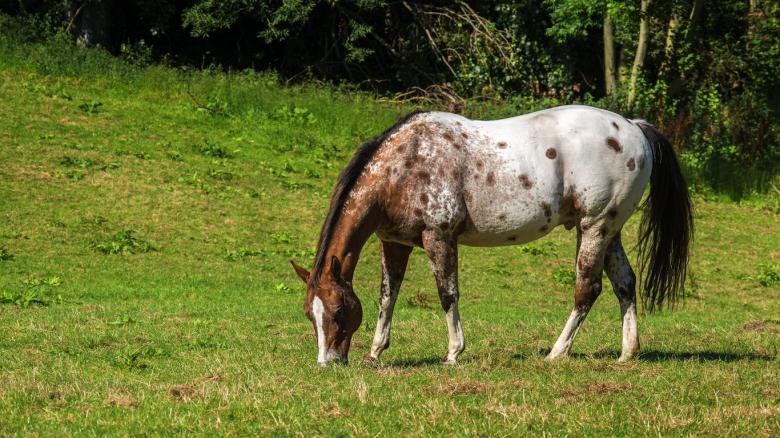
(630, 330)
(383, 325)
(562, 346)
(455, 331)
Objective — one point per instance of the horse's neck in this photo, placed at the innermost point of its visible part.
(357, 223)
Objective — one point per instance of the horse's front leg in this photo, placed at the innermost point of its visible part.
(589, 266)
(394, 260)
(442, 250)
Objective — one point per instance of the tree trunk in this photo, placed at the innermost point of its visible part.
(693, 20)
(90, 22)
(641, 51)
(669, 47)
(610, 71)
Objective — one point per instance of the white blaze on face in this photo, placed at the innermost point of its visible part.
(318, 309)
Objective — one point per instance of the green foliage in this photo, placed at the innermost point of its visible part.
(539, 248)
(36, 292)
(5, 255)
(769, 275)
(208, 148)
(292, 113)
(137, 53)
(122, 242)
(242, 254)
(564, 276)
(573, 19)
(92, 107)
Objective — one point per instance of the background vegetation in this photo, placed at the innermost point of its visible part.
(704, 72)
(147, 214)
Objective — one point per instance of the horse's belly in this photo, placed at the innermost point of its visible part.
(510, 237)
(511, 227)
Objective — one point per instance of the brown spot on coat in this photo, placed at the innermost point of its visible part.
(527, 184)
(631, 164)
(447, 136)
(551, 153)
(502, 145)
(614, 144)
(408, 164)
(547, 209)
(424, 176)
(491, 178)
(456, 145)
(423, 198)
(480, 164)
(501, 217)
(464, 135)
(417, 212)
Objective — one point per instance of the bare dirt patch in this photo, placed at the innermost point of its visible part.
(763, 325)
(184, 393)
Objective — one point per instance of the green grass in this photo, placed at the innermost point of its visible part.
(145, 289)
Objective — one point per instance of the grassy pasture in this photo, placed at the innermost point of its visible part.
(146, 220)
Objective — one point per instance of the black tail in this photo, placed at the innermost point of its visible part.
(666, 229)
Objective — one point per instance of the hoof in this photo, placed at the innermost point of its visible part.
(370, 360)
(447, 361)
(551, 357)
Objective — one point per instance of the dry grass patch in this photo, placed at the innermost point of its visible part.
(462, 387)
(120, 399)
(600, 388)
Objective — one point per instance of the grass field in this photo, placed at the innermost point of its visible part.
(146, 220)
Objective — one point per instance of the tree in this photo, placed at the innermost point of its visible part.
(90, 21)
(641, 51)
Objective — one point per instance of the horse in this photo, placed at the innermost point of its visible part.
(437, 180)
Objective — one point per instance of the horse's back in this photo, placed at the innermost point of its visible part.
(513, 180)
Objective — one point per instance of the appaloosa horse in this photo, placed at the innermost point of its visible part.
(436, 180)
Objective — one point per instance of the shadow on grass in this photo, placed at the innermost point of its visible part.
(414, 363)
(665, 356)
(700, 356)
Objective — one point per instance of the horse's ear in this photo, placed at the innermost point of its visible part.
(335, 267)
(303, 273)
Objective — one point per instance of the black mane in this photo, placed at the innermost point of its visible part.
(346, 181)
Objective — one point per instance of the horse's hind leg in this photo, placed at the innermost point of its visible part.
(394, 260)
(442, 251)
(589, 266)
(624, 284)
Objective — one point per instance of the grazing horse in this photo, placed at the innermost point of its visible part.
(436, 180)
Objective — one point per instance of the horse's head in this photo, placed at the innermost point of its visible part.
(333, 309)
